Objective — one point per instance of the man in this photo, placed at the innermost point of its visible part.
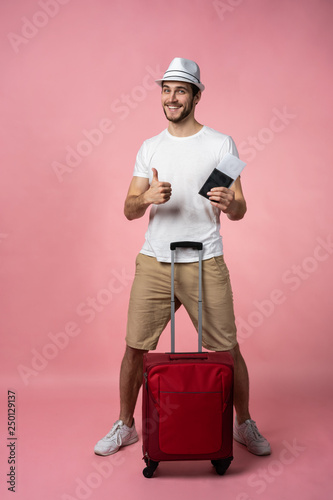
(169, 171)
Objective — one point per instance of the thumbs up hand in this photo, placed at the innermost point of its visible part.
(155, 174)
(158, 192)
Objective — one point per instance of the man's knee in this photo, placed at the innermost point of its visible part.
(235, 352)
(133, 354)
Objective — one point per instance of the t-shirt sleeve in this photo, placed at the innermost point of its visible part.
(141, 168)
(228, 146)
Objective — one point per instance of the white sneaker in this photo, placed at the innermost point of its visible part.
(119, 435)
(248, 434)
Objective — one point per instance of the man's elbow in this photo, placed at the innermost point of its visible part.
(129, 217)
(243, 212)
(132, 212)
(239, 214)
(128, 213)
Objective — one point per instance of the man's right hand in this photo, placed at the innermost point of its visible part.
(158, 192)
(141, 195)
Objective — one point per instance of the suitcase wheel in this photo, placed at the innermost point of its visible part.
(222, 465)
(150, 469)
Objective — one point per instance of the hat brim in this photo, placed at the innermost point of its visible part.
(180, 79)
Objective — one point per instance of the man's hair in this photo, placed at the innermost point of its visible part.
(195, 89)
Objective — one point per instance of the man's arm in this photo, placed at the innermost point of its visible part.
(229, 201)
(141, 195)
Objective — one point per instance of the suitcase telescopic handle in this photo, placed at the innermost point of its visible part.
(197, 246)
(187, 356)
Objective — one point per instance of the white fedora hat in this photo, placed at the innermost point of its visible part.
(182, 70)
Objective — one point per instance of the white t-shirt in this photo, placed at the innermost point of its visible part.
(185, 162)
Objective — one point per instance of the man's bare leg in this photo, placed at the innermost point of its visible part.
(241, 386)
(131, 373)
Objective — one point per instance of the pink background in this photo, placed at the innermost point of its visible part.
(78, 100)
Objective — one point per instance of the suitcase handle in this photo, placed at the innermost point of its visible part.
(186, 244)
(176, 357)
(198, 246)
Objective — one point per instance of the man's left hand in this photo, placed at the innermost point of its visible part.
(222, 198)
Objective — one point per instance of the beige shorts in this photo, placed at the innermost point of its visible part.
(149, 306)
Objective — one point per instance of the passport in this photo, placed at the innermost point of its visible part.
(224, 175)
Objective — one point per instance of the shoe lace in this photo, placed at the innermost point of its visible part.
(253, 432)
(115, 432)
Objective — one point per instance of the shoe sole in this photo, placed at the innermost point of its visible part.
(132, 441)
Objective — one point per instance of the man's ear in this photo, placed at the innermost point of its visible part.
(197, 97)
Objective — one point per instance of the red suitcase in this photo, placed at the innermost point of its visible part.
(187, 411)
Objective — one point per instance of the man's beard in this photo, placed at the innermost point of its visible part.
(184, 114)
